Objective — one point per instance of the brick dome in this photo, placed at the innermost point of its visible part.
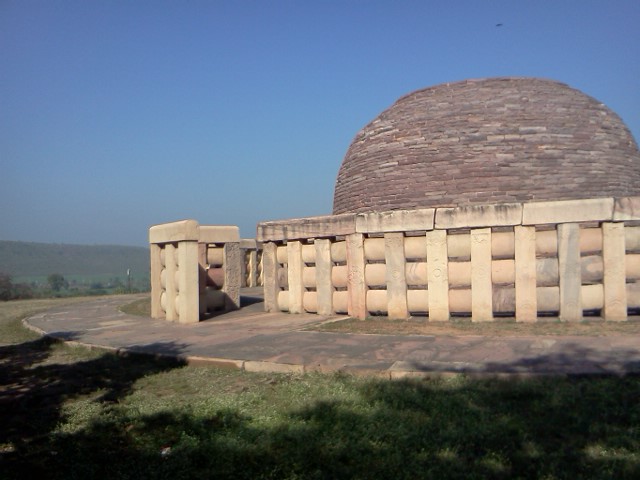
(488, 141)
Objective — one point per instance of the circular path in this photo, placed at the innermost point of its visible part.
(254, 340)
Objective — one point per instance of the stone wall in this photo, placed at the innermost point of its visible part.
(564, 258)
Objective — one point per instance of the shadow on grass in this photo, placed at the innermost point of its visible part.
(579, 427)
(33, 388)
(571, 358)
(546, 428)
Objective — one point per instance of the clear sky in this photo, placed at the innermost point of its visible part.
(116, 115)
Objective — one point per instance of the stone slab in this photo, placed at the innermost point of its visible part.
(395, 276)
(219, 233)
(525, 286)
(270, 277)
(311, 227)
(323, 276)
(356, 285)
(248, 243)
(626, 208)
(437, 275)
(568, 211)
(481, 285)
(272, 367)
(570, 272)
(183, 230)
(396, 221)
(613, 256)
(507, 214)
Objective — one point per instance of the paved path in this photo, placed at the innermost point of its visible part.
(254, 340)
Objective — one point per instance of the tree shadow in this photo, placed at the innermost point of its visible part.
(34, 386)
(446, 428)
(573, 359)
(457, 428)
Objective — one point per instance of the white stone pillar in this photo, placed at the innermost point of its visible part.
(525, 261)
(270, 277)
(395, 276)
(253, 268)
(481, 285)
(188, 282)
(570, 272)
(294, 273)
(613, 256)
(156, 285)
(324, 287)
(171, 290)
(356, 286)
(438, 275)
(232, 275)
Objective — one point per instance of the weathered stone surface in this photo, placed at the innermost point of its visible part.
(357, 288)
(479, 216)
(248, 243)
(232, 275)
(395, 276)
(587, 210)
(496, 140)
(270, 277)
(272, 367)
(395, 221)
(626, 208)
(323, 276)
(171, 291)
(438, 275)
(219, 234)
(188, 298)
(294, 271)
(156, 287)
(613, 255)
(570, 272)
(182, 230)
(525, 260)
(481, 285)
(311, 227)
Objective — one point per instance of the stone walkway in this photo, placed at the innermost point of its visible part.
(254, 340)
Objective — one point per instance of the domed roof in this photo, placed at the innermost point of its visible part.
(488, 141)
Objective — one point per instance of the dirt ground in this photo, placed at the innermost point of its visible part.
(500, 327)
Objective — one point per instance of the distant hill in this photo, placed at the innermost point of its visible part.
(27, 259)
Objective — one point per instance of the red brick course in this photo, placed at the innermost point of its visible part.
(488, 141)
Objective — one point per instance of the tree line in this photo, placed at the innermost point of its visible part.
(58, 286)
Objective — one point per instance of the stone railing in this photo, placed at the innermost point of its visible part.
(252, 263)
(565, 258)
(195, 270)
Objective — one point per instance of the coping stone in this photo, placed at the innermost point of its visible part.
(396, 221)
(626, 208)
(219, 234)
(183, 230)
(505, 214)
(568, 211)
(310, 227)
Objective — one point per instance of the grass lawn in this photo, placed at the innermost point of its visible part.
(67, 412)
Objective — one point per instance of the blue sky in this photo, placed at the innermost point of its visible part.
(116, 115)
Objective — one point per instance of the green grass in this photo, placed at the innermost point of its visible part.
(72, 413)
(141, 307)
